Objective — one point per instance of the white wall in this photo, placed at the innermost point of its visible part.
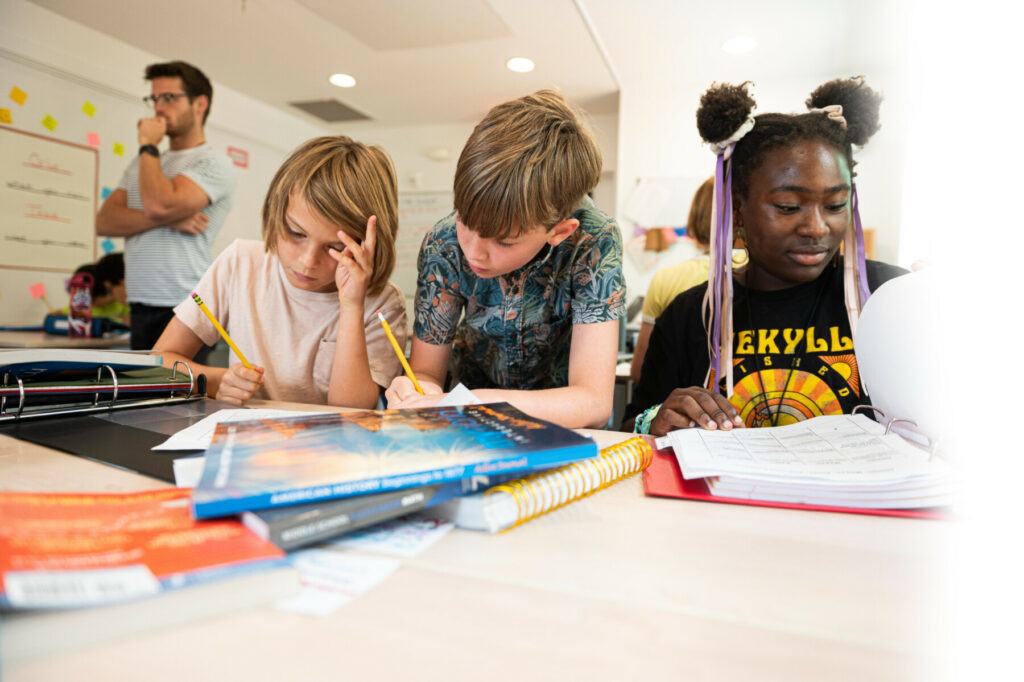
(409, 147)
(667, 53)
(60, 64)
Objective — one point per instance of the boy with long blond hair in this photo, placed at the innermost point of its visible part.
(302, 305)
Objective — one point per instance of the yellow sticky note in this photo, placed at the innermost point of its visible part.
(5, 116)
(18, 95)
(119, 149)
(88, 109)
(49, 122)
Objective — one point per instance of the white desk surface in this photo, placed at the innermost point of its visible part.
(617, 586)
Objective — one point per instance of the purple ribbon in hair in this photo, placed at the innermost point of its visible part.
(721, 259)
(862, 266)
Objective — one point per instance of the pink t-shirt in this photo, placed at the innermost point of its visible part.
(290, 332)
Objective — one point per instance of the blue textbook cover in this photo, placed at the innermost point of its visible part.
(278, 462)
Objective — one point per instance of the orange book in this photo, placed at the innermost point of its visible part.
(75, 568)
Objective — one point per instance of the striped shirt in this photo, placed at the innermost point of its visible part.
(162, 265)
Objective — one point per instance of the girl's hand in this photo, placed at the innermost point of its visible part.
(355, 265)
(402, 393)
(239, 383)
(695, 406)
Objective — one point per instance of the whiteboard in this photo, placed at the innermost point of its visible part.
(417, 213)
(48, 191)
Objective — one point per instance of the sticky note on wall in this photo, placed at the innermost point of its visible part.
(5, 116)
(38, 290)
(105, 192)
(107, 245)
(93, 139)
(88, 109)
(119, 149)
(18, 95)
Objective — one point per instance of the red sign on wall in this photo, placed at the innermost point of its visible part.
(239, 157)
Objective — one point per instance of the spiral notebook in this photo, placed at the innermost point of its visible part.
(514, 503)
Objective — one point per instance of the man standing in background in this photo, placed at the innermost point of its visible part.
(170, 206)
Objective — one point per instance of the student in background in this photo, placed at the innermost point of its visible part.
(108, 290)
(673, 280)
(169, 206)
(302, 305)
(535, 266)
(795, 304)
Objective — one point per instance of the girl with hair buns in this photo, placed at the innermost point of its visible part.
(771, 343)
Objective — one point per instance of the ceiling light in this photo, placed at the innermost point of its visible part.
(519, 64)
(739, 45)
(342, 80)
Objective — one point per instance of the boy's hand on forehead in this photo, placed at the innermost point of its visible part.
(355, 264)
(686, 408)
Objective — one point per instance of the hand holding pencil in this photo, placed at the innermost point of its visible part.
(240, 381)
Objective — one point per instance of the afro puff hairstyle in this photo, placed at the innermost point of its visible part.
(723, 108)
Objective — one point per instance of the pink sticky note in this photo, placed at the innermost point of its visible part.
(670, 235)
(93, 139)
(38, 290)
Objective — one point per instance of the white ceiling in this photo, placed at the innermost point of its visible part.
(416, 61)
(442, 61)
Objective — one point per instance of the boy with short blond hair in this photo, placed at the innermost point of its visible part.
(533, 264)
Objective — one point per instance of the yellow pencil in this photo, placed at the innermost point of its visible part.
(399, 353)
(223, 334)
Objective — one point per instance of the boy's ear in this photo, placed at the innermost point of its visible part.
(560, 232)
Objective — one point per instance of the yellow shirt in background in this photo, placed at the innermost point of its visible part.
(673, 280)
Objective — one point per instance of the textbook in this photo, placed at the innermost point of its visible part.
(255, 465)
(510, 504)
(306, 524)
(79, 568)
(839, 460)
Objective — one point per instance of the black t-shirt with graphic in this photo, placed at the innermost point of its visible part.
(793, 353)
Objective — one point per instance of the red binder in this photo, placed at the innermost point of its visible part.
(663, 479)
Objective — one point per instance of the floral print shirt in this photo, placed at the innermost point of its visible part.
(517, 327)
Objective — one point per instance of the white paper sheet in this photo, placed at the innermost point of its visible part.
(332, 579)
(200, 435)
(404, 537)
(459, 396)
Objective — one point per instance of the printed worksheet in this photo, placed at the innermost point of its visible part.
(838, 449)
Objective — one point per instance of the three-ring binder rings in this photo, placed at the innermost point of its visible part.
(56, 381)
(76, 400)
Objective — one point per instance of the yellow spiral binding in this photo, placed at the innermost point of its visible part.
(540, 493)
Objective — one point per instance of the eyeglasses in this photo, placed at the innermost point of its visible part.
(163, 98)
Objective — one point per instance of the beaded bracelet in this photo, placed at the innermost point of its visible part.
(642, 423)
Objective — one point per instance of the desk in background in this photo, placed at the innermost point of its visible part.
(40, 339)
(613, 587)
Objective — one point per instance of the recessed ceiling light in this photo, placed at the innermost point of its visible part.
(739, 45)
(342, 80)
(519, 64)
